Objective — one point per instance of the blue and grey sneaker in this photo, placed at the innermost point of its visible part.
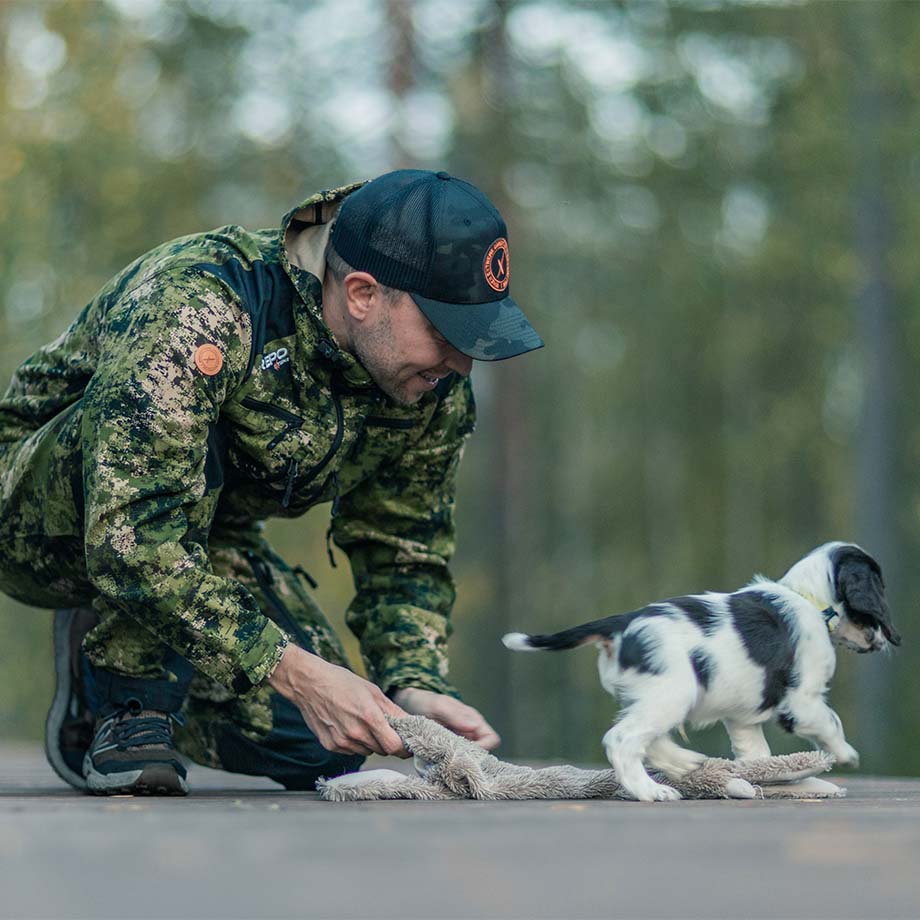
(133, 754)
(71, 720)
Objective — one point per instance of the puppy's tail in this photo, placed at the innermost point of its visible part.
(520, 642)
(595, 631)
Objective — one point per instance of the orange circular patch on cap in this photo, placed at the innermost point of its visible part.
(208, 359)
(495, 265)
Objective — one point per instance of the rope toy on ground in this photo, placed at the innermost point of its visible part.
(450, 767)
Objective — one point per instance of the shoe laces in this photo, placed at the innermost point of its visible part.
(133, 727)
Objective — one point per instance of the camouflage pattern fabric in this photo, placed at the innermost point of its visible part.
(259, 732)
(198, 394)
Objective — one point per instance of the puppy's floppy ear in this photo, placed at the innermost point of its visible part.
(859, 585)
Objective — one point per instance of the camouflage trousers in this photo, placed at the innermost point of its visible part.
(258, 733)
(261, 733)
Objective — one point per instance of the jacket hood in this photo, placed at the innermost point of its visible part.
(305, 232)
(304, 235)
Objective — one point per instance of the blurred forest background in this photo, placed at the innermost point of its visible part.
(713, 223)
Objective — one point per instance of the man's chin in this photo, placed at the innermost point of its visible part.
(407, 399)
(402, 395)
(403, 392)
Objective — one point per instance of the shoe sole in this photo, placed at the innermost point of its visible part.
(61, 700)
(156, 779)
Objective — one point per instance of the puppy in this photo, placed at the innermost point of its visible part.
(766, 651)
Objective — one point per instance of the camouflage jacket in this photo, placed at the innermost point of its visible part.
(206, 394)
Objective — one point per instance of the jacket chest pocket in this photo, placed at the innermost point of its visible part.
(380, 439)
(295, 462)
(290, 422)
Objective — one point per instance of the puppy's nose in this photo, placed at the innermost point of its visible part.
(878, 641)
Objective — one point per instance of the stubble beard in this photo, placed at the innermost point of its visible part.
(374, 351)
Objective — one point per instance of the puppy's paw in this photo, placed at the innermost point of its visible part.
(675, 766)
(666, 794)
(846, 756)
(654, 792)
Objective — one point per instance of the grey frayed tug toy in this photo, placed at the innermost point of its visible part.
(450, 767)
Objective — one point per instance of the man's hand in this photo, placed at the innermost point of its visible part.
(346, 712)
(451, 713)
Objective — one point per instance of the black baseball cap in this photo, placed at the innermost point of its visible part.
(441, 240)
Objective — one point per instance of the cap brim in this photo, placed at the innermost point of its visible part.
(489, 331)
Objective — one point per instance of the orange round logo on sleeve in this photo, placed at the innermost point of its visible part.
(495, 265)
(208, 359)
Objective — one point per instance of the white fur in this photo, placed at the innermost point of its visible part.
(518, 642)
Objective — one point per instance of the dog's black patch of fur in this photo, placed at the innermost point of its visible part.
(786, 722)
(636, 652)
(605, 628)
(702, 667)
(767, 638)
(700, 612)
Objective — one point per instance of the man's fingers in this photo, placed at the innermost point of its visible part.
(484, 735)
(354, 748)
(391, 709)
(387, 741)
(471, 724)
(461, 718)
(396, 748)
(489, 740)
(455, 715)
(370, 733)
(359, 740)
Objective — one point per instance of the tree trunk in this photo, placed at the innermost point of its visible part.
(875, 467)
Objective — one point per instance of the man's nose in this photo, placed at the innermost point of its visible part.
(459, 362)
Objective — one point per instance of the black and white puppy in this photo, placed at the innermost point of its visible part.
(766, 651)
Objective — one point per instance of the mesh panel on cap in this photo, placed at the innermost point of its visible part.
(388, 235)
(409, 246)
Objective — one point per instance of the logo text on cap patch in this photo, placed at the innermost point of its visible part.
(208, 359)
(496, 265)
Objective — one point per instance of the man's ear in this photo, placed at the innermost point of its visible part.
(362, 294)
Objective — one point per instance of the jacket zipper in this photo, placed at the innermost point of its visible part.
(306, 576)
(266, 583)
(294, 422)
(313, 472)
(289, 487)
(335, 510)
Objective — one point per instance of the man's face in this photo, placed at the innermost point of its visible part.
(404, 354)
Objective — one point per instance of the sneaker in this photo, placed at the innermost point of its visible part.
(133, 754)
(71, 720)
